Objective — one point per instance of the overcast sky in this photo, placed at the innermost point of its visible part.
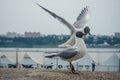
(24, 15)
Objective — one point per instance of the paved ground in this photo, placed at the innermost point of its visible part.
(37, 74)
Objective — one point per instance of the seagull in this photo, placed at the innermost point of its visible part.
(80, 22)
(77, 47)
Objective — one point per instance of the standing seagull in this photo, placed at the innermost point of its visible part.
(78, 48)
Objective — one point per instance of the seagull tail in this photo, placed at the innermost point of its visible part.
(51, 56)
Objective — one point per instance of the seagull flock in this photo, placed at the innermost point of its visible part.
(75, 46)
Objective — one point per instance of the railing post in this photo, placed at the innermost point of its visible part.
(77, 66)
(119, 65)
(0, 58)
(17, 63)
(56, 63)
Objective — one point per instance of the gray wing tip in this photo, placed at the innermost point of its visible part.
(40, 6)
(50, 56)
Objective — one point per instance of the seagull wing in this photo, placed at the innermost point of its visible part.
(70, 42)
(59, 18)
(83, 18)
(68, 53)
(81, 21)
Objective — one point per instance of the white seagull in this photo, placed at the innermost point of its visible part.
(78, 48)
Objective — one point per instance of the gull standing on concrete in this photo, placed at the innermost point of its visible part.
(78, 47)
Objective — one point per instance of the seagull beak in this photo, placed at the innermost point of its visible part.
(89, 33)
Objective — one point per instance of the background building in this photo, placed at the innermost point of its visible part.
(32, 34)
(13, 34)
(117, 34)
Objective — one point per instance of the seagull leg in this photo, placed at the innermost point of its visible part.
(72, 68)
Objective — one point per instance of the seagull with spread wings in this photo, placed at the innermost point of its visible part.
(76, 41)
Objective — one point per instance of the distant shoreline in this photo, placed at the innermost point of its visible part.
(52, 41)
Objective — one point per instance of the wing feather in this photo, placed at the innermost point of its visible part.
(83, 18)
(68, 53)
(62, 20)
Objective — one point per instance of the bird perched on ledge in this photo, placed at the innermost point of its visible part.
(76, 41)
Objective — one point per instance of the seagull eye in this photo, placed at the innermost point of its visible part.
(79, 34)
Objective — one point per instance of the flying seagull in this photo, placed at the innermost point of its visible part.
(80, 22)
(78, 48)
